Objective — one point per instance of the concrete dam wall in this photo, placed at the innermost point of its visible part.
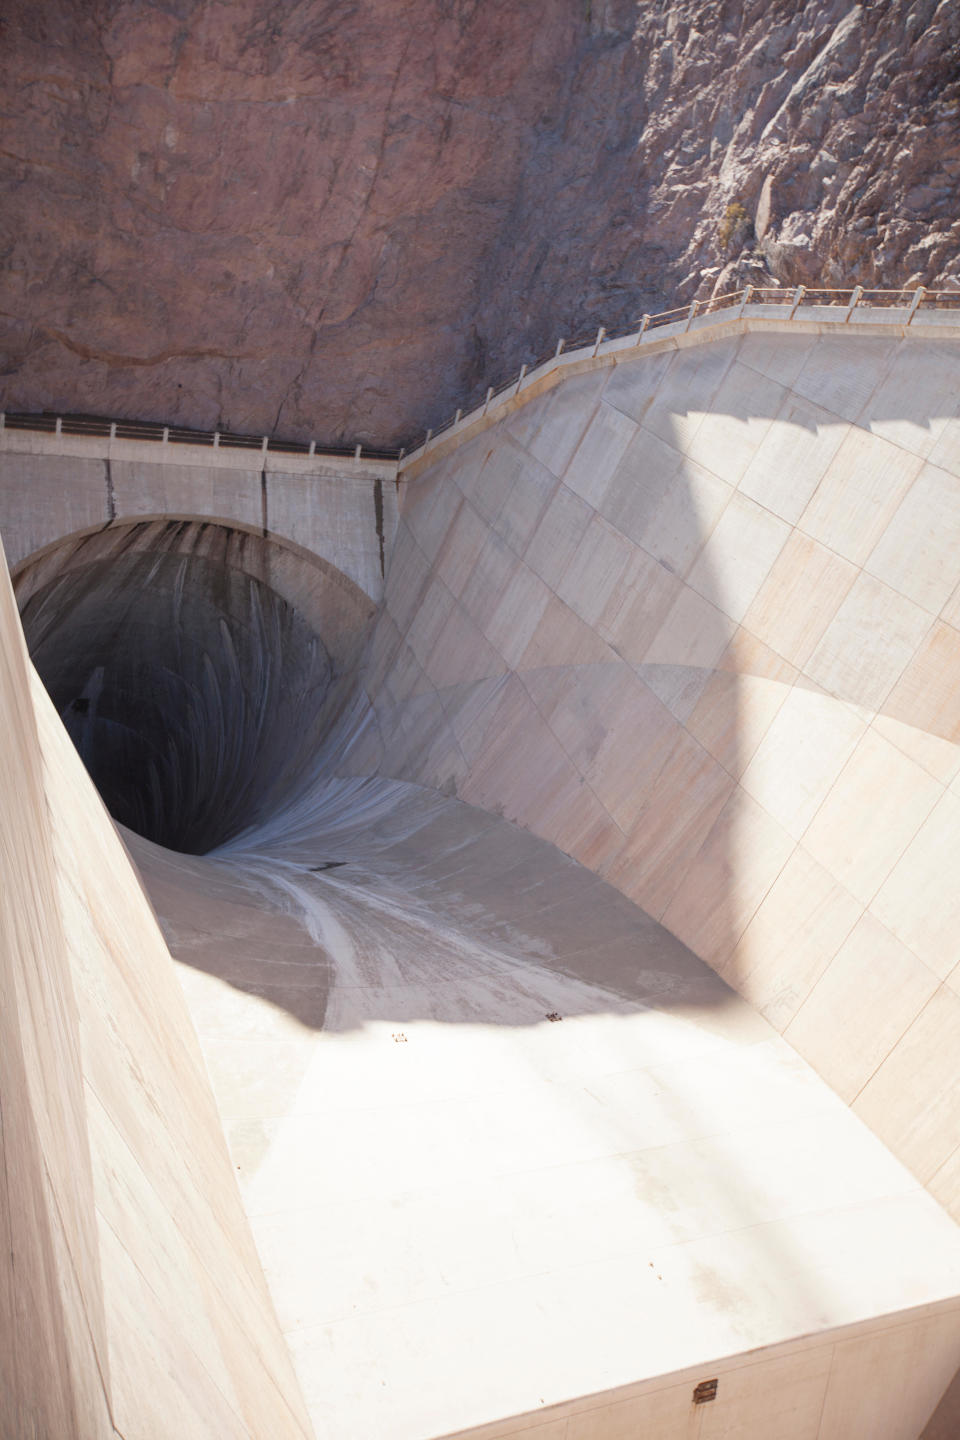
(695, 619)
(559, 870)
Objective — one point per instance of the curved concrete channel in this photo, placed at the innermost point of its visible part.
(551, 928)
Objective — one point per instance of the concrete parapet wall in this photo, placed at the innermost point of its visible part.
(54, 1365)
(695, 618)
(826, 1388)
(132, 1297)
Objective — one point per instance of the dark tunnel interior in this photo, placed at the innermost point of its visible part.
(192, 690)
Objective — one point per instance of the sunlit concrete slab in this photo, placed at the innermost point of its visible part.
(738, 676)
(494, 1124)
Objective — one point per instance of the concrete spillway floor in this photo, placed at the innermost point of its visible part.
(507, 1145)
(513, 1156)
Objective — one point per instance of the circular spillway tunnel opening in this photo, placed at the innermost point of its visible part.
(194, 690)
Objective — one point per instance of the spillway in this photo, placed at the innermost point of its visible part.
(565, 913)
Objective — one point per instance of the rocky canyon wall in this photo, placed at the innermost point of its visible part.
(341, 220)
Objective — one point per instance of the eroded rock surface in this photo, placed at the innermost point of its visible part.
(340, 221)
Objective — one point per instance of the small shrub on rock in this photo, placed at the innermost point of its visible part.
(736, 227)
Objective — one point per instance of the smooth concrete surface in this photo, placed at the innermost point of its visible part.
(53, 1328)
(55, 486)
(695, 619)
(517, 1158)
(132, 1301)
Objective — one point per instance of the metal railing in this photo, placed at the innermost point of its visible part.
(98, 426)
(840, 304)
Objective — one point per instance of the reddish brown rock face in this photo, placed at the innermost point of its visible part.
(339, 220)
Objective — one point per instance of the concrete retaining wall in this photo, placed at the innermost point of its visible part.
(131, 1296)
(695, 618)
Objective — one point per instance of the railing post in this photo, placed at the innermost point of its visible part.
(166, 434)
(113, 431)
(216, 439)
(488, 399)
(58, 429)
(263, 446)
(313, 447)
(400, 453)
(798, 295)
(3, 421)
(559, 350)
(599, 340)
(428, 438)
(356, 453)
(644, 323)
(457, 417)
(690, 314)
(854, 301)
(748, 291)
(918, 295)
